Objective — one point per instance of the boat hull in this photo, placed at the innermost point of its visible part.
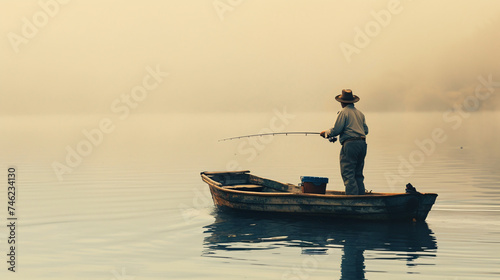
(285, 198)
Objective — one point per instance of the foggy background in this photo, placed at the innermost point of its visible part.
(237, 56)
(109, 184)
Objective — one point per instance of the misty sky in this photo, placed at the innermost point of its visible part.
(82, 57)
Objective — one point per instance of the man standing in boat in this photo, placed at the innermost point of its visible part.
(351, 127)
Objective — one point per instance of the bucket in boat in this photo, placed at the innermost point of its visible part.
(313, 184)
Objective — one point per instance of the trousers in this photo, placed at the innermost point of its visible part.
(352, 162)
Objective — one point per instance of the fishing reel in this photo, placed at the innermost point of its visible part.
(332, 139)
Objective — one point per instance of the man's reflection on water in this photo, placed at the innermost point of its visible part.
(353, 261)
(243, 231)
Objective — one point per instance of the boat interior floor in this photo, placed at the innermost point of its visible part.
(261, 188)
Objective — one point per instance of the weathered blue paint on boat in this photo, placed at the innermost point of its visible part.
(243, 191)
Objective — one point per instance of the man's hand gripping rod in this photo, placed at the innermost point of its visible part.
(331, 139)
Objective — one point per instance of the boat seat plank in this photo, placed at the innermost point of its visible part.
(244, 187)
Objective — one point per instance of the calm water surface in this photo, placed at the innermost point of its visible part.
(136, 208)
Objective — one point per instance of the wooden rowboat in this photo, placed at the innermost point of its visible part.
(241, 190)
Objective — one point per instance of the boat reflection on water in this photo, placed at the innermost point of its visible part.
(407, 241)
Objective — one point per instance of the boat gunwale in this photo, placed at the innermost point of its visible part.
(220, 187)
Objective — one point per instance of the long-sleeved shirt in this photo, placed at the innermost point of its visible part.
(350, 123)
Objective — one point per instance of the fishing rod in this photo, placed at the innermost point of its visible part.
(331, 139)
